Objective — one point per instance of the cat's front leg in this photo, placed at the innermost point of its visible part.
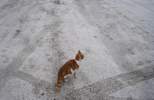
(74, 73)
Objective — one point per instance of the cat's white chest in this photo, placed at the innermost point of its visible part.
(69, 75)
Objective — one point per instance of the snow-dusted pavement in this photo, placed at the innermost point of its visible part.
(38, 36)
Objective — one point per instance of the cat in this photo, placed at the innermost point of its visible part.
(68, 69)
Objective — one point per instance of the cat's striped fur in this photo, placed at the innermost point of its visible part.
(67, 69)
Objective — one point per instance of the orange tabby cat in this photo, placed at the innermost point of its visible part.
(67, 69)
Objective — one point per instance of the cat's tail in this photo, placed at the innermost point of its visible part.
(58, 86)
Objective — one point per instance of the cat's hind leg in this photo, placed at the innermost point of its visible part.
(66, 78)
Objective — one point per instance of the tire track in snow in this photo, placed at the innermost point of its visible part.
(102, 89)
(13, 68)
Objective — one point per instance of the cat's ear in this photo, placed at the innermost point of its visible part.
(77, 56)
(79, 51)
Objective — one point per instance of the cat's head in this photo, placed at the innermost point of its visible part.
(79, 56)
